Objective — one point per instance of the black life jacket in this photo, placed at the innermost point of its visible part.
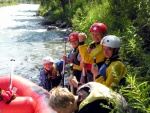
(75, 56)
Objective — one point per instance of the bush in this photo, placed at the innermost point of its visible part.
(91, 13)
(137, 95)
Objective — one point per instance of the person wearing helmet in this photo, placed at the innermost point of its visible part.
(113, 70)
(49, 76)
(88, 53)
(91, 97)
(74, 57)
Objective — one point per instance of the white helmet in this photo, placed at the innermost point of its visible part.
(111, 41)
(47, 59)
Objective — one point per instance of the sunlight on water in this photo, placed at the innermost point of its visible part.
(24, 39)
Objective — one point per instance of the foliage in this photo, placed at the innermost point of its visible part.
(57, 14)
(74, 6)
(8, 2)
(137, 95)
(13, 2)
(132, 46)
(46, 6)
(83, 19)
(143, 22)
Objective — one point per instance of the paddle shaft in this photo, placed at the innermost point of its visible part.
(94, 65)
(11, 74)
(63, 72)
(71, 76)
(65, 41)
(83, 71)
(71, 87)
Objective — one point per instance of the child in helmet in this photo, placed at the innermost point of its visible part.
(49, 76)
(113, 70)
(91, 97)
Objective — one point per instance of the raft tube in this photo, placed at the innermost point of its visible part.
(30, 98)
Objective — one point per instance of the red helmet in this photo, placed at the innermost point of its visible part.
(98, 27)
(73, 35)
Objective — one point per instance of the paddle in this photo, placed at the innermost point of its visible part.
(71, 76)
(94, 65)
(84, 74)
(83, 71)
(9, 94)
(63, 71)
(11, 74)
(64, 40)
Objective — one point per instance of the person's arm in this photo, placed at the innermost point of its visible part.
(88, 57)
(42, 77)
(73, 82)
(67, 58)
(94, 70)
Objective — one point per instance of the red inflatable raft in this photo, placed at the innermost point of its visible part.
(30, 98)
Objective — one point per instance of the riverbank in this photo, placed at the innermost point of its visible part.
(7, 4)
(58, 25)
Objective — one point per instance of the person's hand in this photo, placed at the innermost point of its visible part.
(65, 58)
(82, 64)
(69, 81)
(82, 37)
(8, 95)
(73, 81)
(94, 70)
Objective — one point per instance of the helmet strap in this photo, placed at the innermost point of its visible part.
(115, 52)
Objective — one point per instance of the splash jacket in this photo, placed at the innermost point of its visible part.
(112, 71)
(93, 50)
(87, 55)
(48, 79)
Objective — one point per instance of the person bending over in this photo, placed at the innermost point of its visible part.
(91, 97)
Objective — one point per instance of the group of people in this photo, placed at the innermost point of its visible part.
(96, 69)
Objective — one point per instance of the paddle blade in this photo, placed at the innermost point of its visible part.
(60, 39)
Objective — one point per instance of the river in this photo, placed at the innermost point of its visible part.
(25, 40)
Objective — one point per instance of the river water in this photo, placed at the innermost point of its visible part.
(24, 39)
